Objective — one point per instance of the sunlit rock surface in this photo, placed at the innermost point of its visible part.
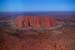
(35, 21)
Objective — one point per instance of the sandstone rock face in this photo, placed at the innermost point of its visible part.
(19, 21)
(45, 21)
(35, 21)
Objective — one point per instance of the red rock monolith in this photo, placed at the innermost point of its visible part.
(19, 21)
(35, 21)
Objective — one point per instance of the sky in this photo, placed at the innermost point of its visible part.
(36, 5)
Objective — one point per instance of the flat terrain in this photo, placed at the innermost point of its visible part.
(60, 39)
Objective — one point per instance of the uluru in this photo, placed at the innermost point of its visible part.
(35, 21)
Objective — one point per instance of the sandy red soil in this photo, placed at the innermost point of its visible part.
(45, 41)
(60, 39)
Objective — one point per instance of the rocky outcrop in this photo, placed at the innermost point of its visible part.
(35, 21)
